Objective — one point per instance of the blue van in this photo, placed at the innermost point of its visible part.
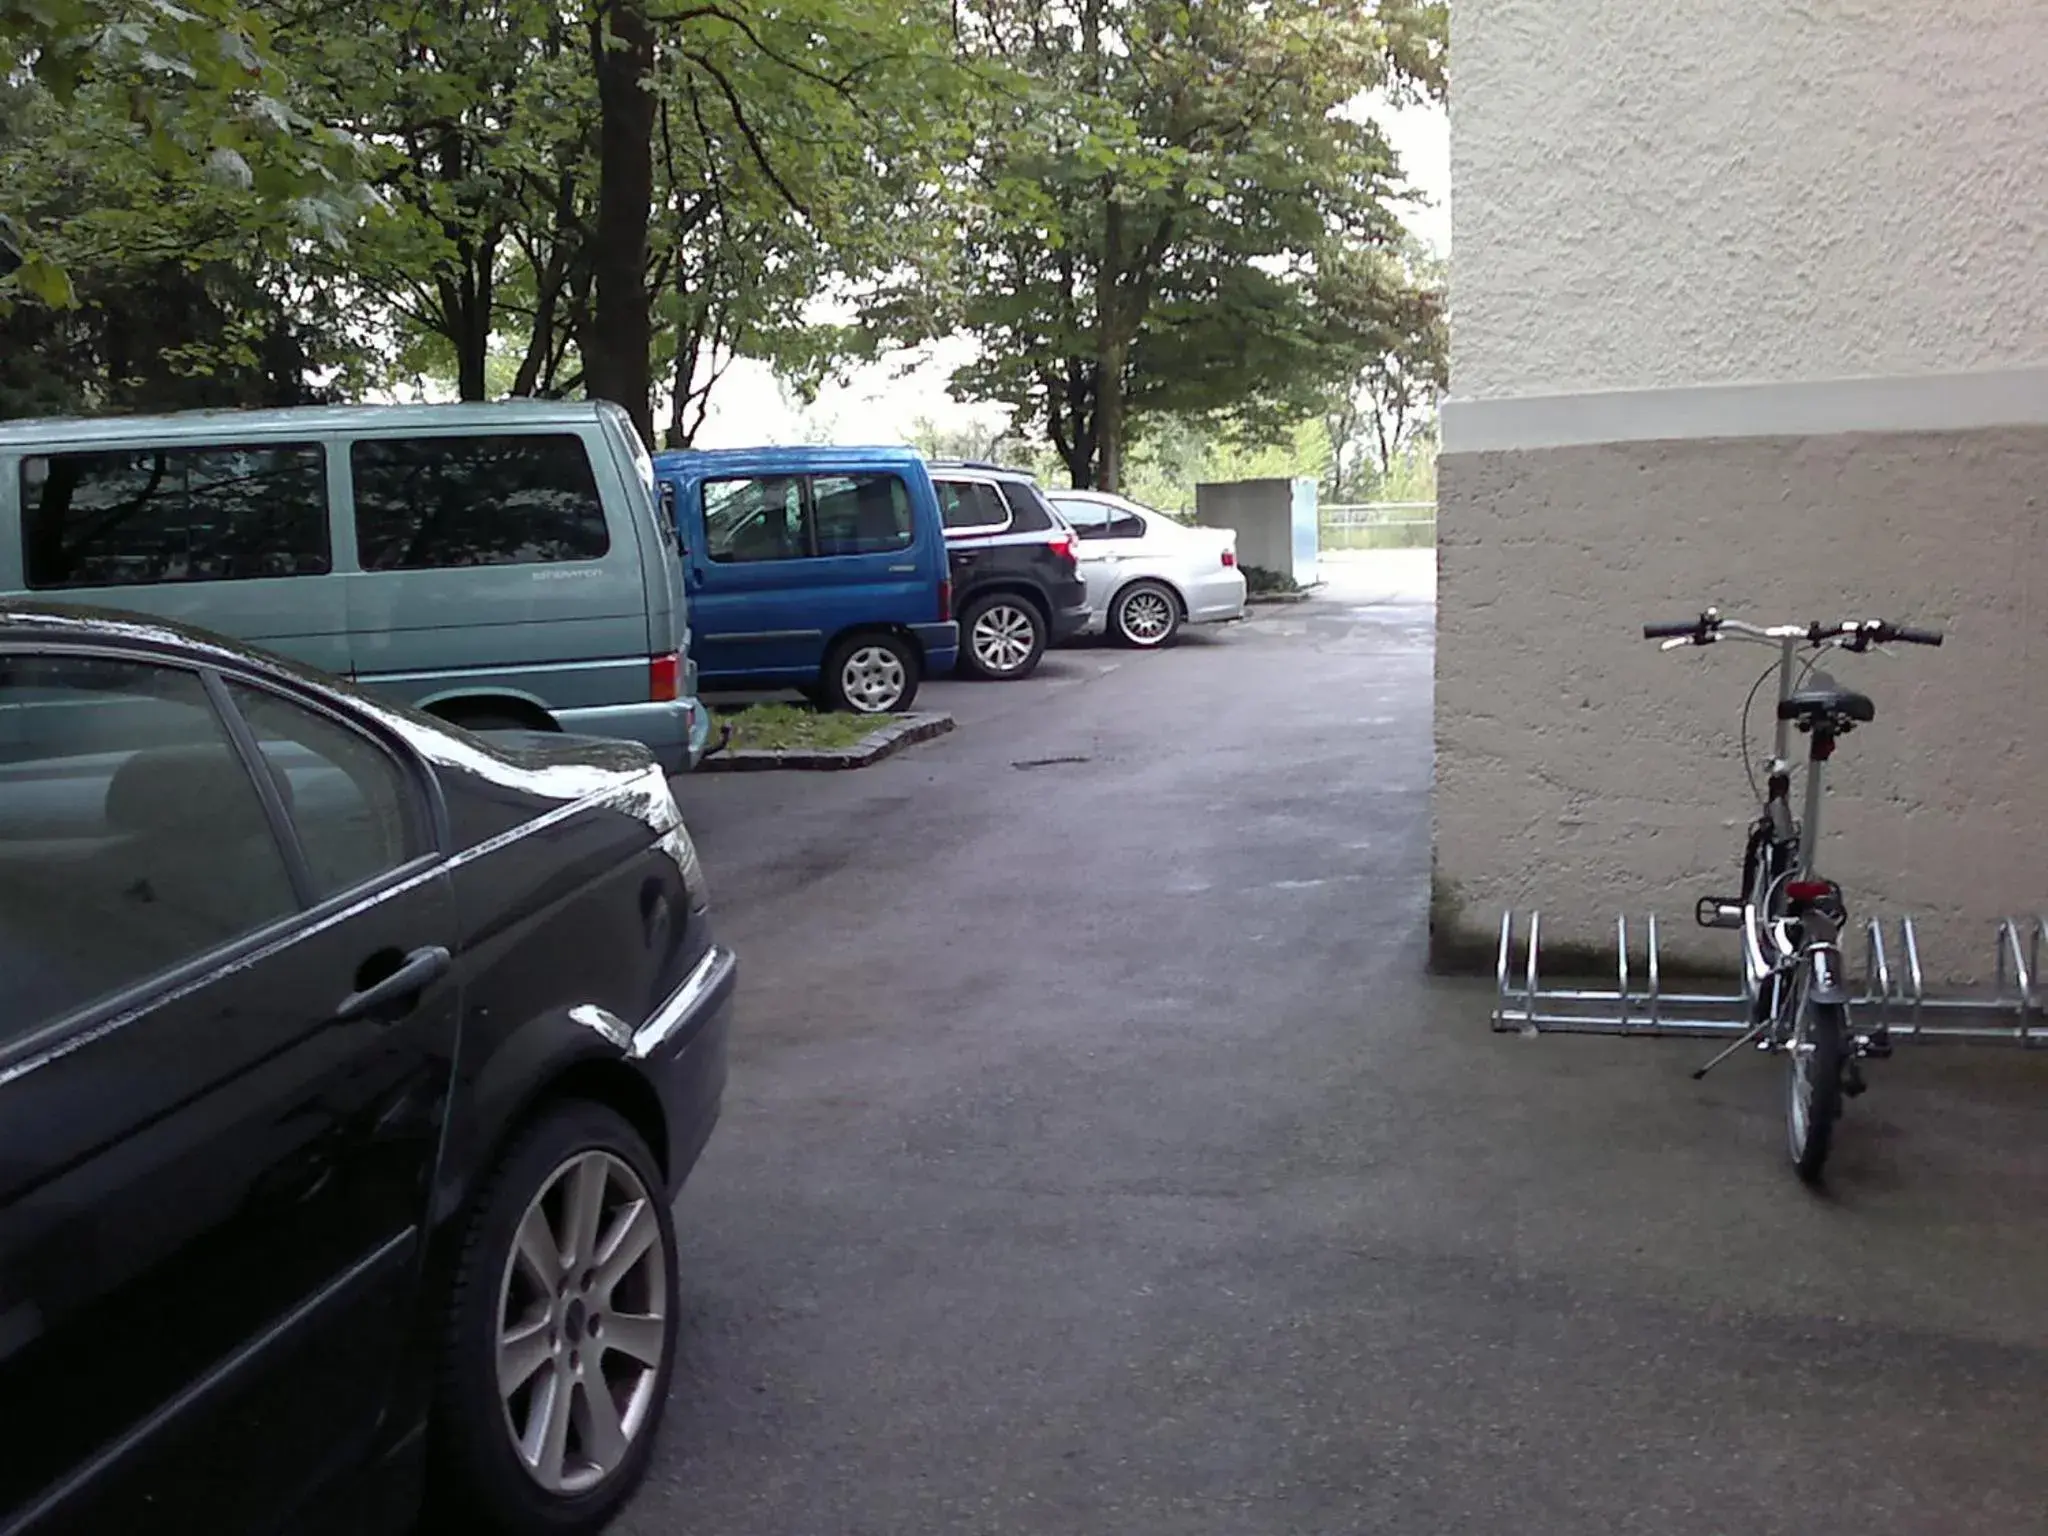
(822, 569)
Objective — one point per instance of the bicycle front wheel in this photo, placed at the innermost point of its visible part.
(1813, 1090)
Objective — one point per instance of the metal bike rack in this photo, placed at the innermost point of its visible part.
(1893, 996)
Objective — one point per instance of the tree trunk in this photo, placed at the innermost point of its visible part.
(1109, 419)
(616, 364)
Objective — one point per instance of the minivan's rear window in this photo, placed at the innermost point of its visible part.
(143, 516)
(425, 503)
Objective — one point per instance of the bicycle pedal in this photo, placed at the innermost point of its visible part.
(1875, 1047)
(1718, 912)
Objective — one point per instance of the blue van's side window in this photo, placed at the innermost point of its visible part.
(796, 517)
(136, 517)
(861, 514)
(426, 503)
(757, 518)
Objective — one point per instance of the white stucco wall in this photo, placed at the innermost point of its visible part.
(1711, 191)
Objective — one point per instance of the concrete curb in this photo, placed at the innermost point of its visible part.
(886, 742)
(1264, 598)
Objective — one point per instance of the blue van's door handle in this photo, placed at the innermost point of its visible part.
(897, 570)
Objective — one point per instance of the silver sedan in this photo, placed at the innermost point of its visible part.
(1147, 574)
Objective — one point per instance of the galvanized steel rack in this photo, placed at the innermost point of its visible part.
(1893, 998)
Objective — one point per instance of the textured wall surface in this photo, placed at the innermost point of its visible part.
(1705, 191)
(1582, 770)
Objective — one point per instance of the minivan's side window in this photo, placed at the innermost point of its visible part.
(757, 518)
(427, 503)
(142, 516)
(132, 838)
(861, 514)
(347, 799)
(971, 504)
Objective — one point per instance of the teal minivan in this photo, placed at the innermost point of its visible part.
(500, 565)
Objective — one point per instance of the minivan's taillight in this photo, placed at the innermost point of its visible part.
(665, 678)
(945, 599)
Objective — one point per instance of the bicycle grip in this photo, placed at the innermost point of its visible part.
(1911, 636)
(1687, 627)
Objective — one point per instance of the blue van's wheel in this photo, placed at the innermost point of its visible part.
(871, 674)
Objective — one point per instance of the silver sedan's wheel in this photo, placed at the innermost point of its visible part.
(583, 1323)
(872, 679)
(1147, 615)
(1004, 637)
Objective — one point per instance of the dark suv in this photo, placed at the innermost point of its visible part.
(1017, 584)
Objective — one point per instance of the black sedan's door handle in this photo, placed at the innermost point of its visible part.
(418, 969)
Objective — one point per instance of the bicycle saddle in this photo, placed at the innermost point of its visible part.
(1825, 699)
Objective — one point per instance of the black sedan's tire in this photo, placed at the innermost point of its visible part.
(560, 1332)
(1002, 637)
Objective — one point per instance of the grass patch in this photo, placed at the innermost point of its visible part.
(793, 727)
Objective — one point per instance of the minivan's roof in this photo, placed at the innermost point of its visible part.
(51, 431)
(791, 458)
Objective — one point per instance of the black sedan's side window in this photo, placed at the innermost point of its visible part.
(349, 802)
(132, 838)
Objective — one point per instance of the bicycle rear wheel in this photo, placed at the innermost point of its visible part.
(1813, 1084)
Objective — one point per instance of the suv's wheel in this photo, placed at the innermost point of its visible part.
(1003, 635)
(1146, 615)
(872, 674)
(560, 1334)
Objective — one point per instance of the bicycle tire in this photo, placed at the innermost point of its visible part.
(1813, 1084)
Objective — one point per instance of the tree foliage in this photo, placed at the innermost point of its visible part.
(1146, 211)
(1174, 207)
(1382, 411)
(188, 94)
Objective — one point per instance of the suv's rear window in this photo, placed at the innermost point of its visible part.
(433, 502)
(142, 516)
(1029, 512)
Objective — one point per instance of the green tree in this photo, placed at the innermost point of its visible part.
(1172, 209)
(191, 91)
(1387, 409)
(180, 288)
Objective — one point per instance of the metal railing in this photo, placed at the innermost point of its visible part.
(1378, 524)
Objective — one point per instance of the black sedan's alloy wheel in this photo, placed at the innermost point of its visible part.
(561, 1331)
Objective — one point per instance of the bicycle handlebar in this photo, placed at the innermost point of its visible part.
(1854, 634)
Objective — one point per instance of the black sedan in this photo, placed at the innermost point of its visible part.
(349, 1064)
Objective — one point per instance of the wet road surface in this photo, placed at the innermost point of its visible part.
(1098, 1158)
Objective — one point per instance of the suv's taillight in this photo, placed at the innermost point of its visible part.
(1063, 546)
(1229, 558)
(945, 599)
(664, 678)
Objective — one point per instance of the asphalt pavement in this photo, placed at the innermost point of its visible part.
(1099, 1158)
